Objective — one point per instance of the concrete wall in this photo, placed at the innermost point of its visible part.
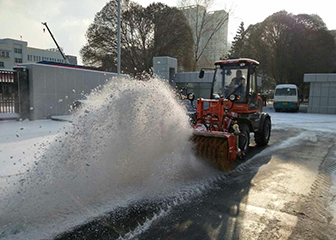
(322, 96)
(165, 67)
(190, 81)
(52, 89)
(192, 77)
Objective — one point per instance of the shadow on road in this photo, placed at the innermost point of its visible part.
(216, 215)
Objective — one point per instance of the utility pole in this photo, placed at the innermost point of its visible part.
(118, 50)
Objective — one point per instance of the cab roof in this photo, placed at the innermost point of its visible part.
(286, 86)
(237, 61)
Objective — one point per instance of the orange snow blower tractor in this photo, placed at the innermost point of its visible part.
(234, 110)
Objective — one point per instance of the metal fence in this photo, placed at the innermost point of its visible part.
(8, 92)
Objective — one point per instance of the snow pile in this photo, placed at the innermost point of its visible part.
(129, 142)
(313, 122)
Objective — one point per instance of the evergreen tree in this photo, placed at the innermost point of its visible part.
(238, 43)
(288, 46)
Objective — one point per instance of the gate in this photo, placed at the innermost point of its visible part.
(8, 92)
(14, 93)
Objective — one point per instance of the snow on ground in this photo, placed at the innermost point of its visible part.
(307, 121)
(21, 142)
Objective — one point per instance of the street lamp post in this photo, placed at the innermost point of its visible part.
(118, 50)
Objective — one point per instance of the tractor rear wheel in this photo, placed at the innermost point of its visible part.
(262, 138)
(244, 138)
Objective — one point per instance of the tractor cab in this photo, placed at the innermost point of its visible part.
(236, 77)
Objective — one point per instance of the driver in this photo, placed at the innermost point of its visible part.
(237, 82)
(239, 79)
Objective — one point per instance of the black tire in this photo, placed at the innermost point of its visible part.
(262, 138)
(244, 138)
(277, 110)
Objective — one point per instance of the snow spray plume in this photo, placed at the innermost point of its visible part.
(129, 141)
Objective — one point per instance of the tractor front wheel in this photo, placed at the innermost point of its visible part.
(244, 138)
(262, 138)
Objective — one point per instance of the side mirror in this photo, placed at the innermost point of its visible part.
(201, 74)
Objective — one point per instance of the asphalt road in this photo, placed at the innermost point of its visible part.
(279, 195)
(279, 192)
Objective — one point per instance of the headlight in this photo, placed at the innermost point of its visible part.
(232, 97)
(191, 96)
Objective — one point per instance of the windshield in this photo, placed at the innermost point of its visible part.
(285, 92)
(229, 80)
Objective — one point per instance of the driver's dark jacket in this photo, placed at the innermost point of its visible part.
(236, 81)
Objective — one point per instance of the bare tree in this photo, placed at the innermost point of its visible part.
(146, 32)
(206, 26)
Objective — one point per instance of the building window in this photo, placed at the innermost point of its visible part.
(18, 50)
(2, 64)
(4, 54)
(39, 58)
(18, 60)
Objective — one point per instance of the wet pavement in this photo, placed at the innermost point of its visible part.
(279, 195)
(279, 192)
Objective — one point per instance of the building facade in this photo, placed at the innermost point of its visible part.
(14, 52)
(208, 25)
(322, 95)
